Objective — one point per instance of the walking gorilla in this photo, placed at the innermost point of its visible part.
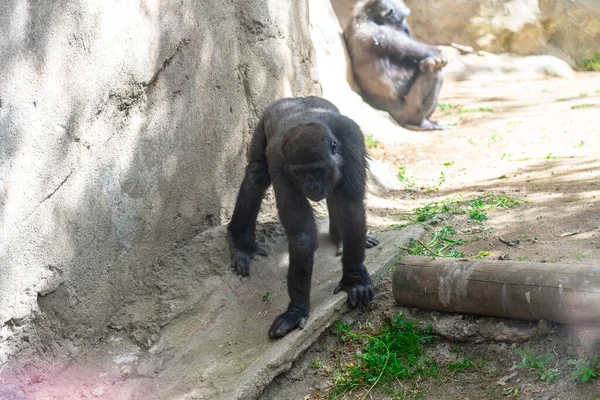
(395, 73)
(307, 149)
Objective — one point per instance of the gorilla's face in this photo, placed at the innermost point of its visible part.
(312, 159)
(390, 13)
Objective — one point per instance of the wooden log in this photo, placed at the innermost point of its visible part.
(524, 290)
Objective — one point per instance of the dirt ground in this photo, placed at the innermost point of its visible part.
(533, 140)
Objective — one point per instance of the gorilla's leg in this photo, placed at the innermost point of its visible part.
(240, 231)
(420, 102)
(335, 229)
(298, 221)
(355, 278)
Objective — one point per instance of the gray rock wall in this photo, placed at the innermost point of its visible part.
(569, 29)
(123, 130)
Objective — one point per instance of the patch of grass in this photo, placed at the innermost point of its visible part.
(404, 177)
(583, 371)
(546, 91)
(461, 365)
(539, 364)
(445, 106)
(316, 364)
(505, 155)
(580, 255)
(448, 163)
(370, 142)
(470, 141)
(483, 254)
(442, 178)
(477, 210)
(580, 144)
(591, 63)
(582, 105)
(553, 259)
(440, 244)
(476, 206)
(514, 122)
(522, 258)
(432, 210)
(550, 156)
(464, 110)
(495, 138)
(583, 94)
(266, 297)
(394, 352)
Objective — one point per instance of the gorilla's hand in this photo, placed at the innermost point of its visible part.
(358, 286)
(432, 64)
(242, 250)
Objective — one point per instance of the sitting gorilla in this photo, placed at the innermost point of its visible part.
(395, 73)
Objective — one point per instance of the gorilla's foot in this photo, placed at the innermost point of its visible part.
(287, 322)
(427, 125)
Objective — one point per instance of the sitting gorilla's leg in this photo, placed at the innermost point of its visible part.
(420, 102)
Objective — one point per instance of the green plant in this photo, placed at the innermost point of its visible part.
(477, 210)
(316, 364)
(583, 105)
(539, 364)
(483, 254)
(464, 110)
(461, 365)
(580, 255)
(445, 106)
(266, 297)
(370, 142)
(395, 351)
(583, 371)
(442, 178)
(448, 163)
(440, 244)
(591, 63)
(404, 177)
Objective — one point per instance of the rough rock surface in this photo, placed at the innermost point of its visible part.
(198, 331)
(568, 29)
(123, 129)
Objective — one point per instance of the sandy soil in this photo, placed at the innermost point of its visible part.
(535, 140)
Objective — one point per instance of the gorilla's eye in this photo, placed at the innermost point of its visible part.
(333, 147)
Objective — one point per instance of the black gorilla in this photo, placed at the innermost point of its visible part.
(307, 149)
(394, 72)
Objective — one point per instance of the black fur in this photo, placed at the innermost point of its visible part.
(395, 73)
(306, 149)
